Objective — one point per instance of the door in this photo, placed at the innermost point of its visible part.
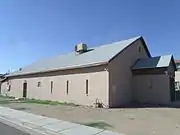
(0, 87)
(172, 88)
(25, 89)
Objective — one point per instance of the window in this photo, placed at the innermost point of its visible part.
(87, 88)
(67, 87)
(177, 86)
(39, 84)
(51, 87)
(8, 86)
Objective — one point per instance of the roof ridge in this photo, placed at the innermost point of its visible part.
(116, 42)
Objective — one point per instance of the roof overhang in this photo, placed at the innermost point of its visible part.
(60, 69)
(154, 69)
(154, 63)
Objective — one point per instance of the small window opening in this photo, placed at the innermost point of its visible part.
(39, 84)
(87, 89)
(67, 87)
(8, 86)
(51, 87)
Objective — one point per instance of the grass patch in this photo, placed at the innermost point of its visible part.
(36, 101)
(100, 124)
(4, 102)
(45, 102)
(6, 97)
(9, 100)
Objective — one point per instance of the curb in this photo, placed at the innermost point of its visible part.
(48, 126)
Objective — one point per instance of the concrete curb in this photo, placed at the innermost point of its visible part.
(48, 126)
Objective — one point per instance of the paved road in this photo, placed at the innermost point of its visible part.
(7, 130)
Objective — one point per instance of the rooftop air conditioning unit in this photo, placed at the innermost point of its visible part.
(80, 48)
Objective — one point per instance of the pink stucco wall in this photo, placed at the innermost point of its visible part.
(120, 74)
(97, 78)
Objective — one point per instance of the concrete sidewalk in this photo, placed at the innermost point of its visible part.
(48, 126)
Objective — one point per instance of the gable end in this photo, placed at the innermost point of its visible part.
(143, 43)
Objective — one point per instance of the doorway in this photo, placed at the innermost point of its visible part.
(172, 89)
(0, 88)
(25, 89)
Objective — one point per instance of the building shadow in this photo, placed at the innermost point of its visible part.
(175, 104)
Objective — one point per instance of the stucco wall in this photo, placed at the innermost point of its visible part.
(152, 89)
(96, 76)
(120, 74)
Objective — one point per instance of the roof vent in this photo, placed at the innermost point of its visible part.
(80, 48)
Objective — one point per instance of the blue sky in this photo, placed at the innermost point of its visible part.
(34, 29)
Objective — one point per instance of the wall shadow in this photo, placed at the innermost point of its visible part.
(175, 104)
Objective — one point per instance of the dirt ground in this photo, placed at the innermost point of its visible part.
(131, 121)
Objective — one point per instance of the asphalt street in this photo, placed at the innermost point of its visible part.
(7, 130)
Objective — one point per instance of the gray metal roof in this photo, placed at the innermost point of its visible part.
(153, 62)
(99, 54)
